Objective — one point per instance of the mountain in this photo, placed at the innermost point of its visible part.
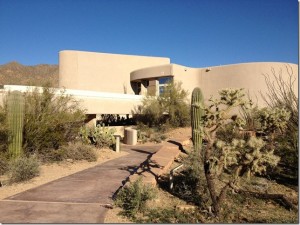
(14, 73)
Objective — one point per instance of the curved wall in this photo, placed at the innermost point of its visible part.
(152, 72)
(249, 76)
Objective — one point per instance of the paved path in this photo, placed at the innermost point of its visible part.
(79, 198)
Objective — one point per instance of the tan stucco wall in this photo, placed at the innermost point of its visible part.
(113, 72)
(247, 75)
(212, 79)
(152, 72)
(92, 102)
(100, 71)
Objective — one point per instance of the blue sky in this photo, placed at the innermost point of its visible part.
(195, 33)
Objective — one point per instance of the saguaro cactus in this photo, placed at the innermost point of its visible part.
(15, 115)
(197, 111)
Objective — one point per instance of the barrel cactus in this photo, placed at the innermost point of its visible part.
(15, 118)
(197, 111)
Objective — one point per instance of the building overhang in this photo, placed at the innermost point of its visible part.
(153, 72)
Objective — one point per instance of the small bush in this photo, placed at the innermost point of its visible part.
(75, 151)
(190, 184)
(99, 136)
(132, 198)
(171, 108)
(158, 138)
(3, 165)
(3, 130)
(53, 155)
(23, 168)
(78, 151)
(170, 215)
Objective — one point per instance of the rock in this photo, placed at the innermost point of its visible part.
(70, 160)
(185, 207)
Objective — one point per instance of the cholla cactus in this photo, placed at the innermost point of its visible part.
(250, 157)
(273, 119)
(258, 158)
(15, 115)
(238, 156)
(231, 97)
(197, 111)
(218, 112)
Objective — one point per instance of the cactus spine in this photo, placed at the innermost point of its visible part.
(197, 111)
(15, 116)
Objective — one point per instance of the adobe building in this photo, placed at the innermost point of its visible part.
(115, 83)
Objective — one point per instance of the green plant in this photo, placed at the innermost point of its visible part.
(132, 198)
(79, 151)
(237, 157)
(170, 108)
(197, 111)
(15, 115)
(272, 120)
(4, 133)
(141, 136)
(174, 102)
(170, 215)
(158, 138)
(23, 168)
(51, 119)
(3, 165)
(282, 93)
(100, 136)
(53, 155)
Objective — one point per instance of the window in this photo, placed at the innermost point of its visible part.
(163, 83)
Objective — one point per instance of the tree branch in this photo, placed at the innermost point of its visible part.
(284, 200)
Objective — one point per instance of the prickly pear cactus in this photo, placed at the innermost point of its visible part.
(15, 116)
(197, 111)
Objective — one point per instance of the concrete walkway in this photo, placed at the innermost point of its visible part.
(83, 197)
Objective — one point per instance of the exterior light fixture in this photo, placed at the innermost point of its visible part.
(208, 69)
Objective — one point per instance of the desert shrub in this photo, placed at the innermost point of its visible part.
(190, 184)
(52, 155)
(145, 134)
(158, 138)
(3, 142)
(175, 104)
(170, 215)
(142, 138)
(171, 108)
(132, 198)
(74, 151)
(79, 151)
(51, 120)
(281, 94)
(3, 130)
(150, 113)
(3, 164)
(23, 168)
(99, 136)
